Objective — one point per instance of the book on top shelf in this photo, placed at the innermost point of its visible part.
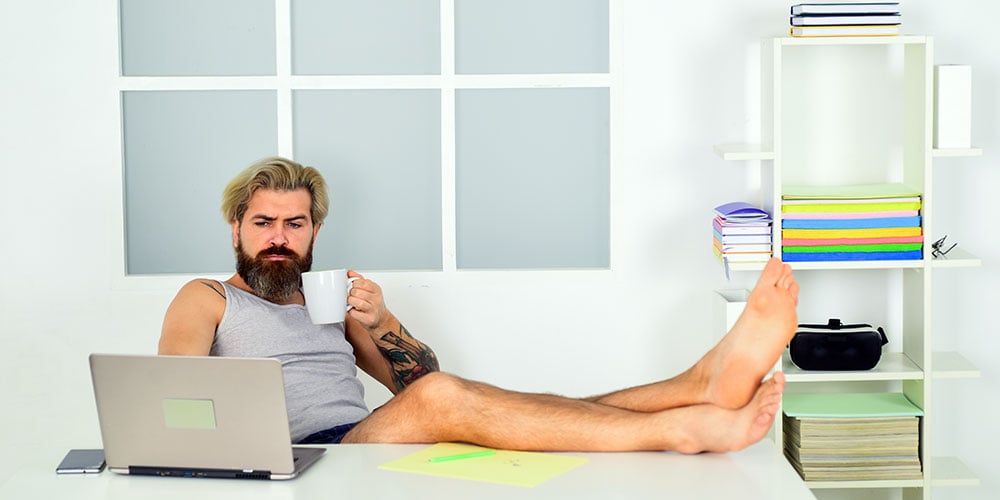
(741, 247)
(742, 239)
(741, 232)
(805, 9)
(855, 191)
(820, 31)
(724, 228)
(786, 215)
(851, 223)
(727, 257)
(845, 20)
(740, 211)
(852, 233)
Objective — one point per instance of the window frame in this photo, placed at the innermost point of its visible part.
(285, 83)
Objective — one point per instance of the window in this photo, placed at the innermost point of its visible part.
(454, 134)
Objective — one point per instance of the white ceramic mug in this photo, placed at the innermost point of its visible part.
(326, 295)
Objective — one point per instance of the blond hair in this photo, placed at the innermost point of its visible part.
(279, 174)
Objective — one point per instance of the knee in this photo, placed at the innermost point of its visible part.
(436, 388)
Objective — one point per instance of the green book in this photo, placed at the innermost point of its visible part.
(849, 405)
(850, 207)
(863, 191)
(877, 247)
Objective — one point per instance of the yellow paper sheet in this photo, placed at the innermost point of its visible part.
(519, 468)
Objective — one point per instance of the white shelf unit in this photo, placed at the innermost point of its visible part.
(859, 110)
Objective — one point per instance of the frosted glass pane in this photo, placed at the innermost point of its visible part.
(531, 36)
(533, 178)
(194, 37)
(380, 151)
(181, 149)
(347, 37)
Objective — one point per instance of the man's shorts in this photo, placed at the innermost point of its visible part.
(333, 435)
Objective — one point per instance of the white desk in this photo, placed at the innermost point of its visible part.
(351, 472)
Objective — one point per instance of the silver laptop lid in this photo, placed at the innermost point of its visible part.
(193, 412)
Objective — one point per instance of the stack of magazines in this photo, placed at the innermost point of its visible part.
(845, 19)
(741, 232)
(852, 437)
(849, 223)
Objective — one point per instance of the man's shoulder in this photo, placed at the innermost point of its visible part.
(202, 288)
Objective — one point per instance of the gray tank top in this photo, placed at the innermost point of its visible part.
(322, 389)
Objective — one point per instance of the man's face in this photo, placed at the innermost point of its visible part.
(274, 242)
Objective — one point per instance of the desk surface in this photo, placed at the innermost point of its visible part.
(351, 471)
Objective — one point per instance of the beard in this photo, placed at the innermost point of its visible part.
(276, 281)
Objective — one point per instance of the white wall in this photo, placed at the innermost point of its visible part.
(690, 82)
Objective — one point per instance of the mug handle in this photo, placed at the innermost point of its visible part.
(350, 285)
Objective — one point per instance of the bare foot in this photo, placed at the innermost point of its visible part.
(713, 429)
(735, 367)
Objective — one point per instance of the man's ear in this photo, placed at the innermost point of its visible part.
(236, 233)
(316, 231)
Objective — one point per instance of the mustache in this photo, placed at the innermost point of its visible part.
(282, 250)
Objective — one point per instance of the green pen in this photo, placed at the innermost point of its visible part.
(461, 456)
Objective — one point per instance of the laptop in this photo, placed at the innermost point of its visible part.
(196, 416)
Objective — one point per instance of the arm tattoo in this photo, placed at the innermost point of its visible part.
(216, 290)
(409, 359)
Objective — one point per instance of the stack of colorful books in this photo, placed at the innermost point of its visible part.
(852, 437)
(845, 19)
(741, 232)
(847, 223)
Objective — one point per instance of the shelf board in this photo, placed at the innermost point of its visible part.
(945, 471)
(957, 257)
(853, 40)
(892, 366)
(743, 152)
(953, 152)
(950, 471)
(946, 365)
(858, 264)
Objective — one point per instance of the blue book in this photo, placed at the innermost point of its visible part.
(740, 211)
(847, 256)
(882, 222)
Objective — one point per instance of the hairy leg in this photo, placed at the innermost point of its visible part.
(730, 373)
(440, 407)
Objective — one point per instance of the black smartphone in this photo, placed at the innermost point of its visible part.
(82, 462)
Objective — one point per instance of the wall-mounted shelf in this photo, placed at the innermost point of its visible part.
(956, 152)
(744, 152)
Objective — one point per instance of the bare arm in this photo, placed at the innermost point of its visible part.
(382, 345)
(190, 322)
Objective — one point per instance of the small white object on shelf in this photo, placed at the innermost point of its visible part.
(952, 106)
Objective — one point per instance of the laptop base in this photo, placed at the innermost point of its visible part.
(304, 457)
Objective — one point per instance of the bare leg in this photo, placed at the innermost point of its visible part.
(756, 341)
(730, 373)
(719, 404)
(440, 407)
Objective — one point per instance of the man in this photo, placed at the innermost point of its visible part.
(276, 207)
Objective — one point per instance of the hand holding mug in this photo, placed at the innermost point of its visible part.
(369, 303)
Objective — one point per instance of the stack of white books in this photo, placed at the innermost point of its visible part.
(845, 19)
(741, 232)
